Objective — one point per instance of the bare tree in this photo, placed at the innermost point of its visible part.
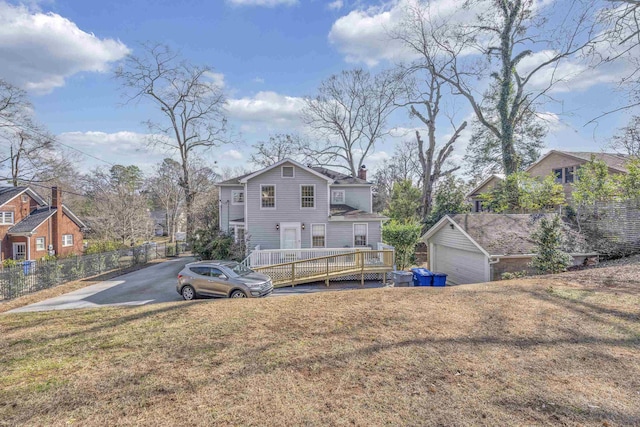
(167, 191)
(190, 101)
(504, 33)
(627, 140)
(279, 147)
(402, 166)
(351, 112)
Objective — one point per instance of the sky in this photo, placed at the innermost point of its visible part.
(267, 55)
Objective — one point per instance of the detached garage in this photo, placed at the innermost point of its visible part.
(476, 248)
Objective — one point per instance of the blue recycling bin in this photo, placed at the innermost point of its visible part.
(26, 265)
(439, 279)
(422, 277)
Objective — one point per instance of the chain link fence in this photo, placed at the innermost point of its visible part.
(33, 276)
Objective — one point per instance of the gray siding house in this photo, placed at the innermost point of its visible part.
(292, 206)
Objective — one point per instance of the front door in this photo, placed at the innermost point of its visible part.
(19, 251)
(290, 235)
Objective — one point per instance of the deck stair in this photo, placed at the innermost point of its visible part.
(357, 263)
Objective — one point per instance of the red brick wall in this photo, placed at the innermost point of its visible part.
(69, 227)
(20, 210)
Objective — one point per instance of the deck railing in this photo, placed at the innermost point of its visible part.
(264, 257)
(355, 263)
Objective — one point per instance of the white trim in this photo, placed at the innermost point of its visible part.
(329, 200)
(246, 209)
(311, 235)
(66, 245)
(275, 197)
(344, 197)
(293, 170)
(281, 162)
(298, 228)
(353, 240)
(33, 195)
(44, 244)
(233, 203)
(236, 227)
(448, 220)
(315, 198)
(569, 154)
(339, 218)
(71, 216)
(13, 247)
(13, 217)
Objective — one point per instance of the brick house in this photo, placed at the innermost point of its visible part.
(562, 164)
(31, 228)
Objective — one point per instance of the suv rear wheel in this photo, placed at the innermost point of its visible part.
(188, 293)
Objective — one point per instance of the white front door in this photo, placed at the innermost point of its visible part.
(19, 251)
(290, 235)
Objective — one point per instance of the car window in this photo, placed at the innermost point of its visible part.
(202, 271)
(240, 269)
(216, 273)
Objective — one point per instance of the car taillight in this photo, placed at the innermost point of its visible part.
(179, 276)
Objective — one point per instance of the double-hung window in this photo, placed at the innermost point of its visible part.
(318, 235)
(360, 232)
(337, 197)
(67, 240)
(6, 218)
(558, 174)
(40, 244)
(568, 174)
(307, 196)
(268, 196)
(237, 197)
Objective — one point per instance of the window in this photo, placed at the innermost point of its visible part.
(568, 175)
(478, 205)
(268, 196)
(558, 174)
(337, 197)
(25, 198)
(307, 196)
(67, 240)
(6, 218)
(238, 233)
(237, 197)
(360, 234)
(287, 172)
(202, 271)
(40, 244)
(216, 273)
(318, 235)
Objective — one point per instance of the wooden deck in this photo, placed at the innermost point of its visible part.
(356, 263)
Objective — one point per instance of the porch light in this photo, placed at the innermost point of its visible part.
(303, 225)
(278, 226)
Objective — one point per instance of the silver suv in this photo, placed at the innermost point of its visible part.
(222, 279)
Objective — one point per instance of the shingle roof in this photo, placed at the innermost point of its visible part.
(349, 212)
(31, 222)
(8, 193)
(612, 159)
(338, 177)
(510, 234)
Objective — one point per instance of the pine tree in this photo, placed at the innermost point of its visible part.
(549, 238)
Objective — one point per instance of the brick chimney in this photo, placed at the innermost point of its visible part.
(362, 172)
(56, 203)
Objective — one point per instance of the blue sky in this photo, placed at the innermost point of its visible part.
(268, 53)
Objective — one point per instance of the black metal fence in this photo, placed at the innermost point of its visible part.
(32, 276)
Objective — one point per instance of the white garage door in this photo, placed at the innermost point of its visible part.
(461, 266)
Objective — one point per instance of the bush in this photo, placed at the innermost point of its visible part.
(215, 244)
(549, 240)
(403, 237)
(8, 263)
(514, 275)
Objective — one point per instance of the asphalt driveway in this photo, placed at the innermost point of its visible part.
(154, 284)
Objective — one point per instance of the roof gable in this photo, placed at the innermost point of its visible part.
(613, 160)
(9, 193)
(485, 182)
(447, 220)
(280, 163)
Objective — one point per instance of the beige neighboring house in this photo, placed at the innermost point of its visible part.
(477, 248)
(563, 164)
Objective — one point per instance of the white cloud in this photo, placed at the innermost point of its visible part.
(124, 147)
(233, 154)
(269, 108)
(38, 51)
(216, 78)
(335, 5)
(264, 3)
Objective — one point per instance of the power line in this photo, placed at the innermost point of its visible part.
(38, 132)
(28, 183)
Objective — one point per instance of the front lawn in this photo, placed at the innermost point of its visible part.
(542, 351)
